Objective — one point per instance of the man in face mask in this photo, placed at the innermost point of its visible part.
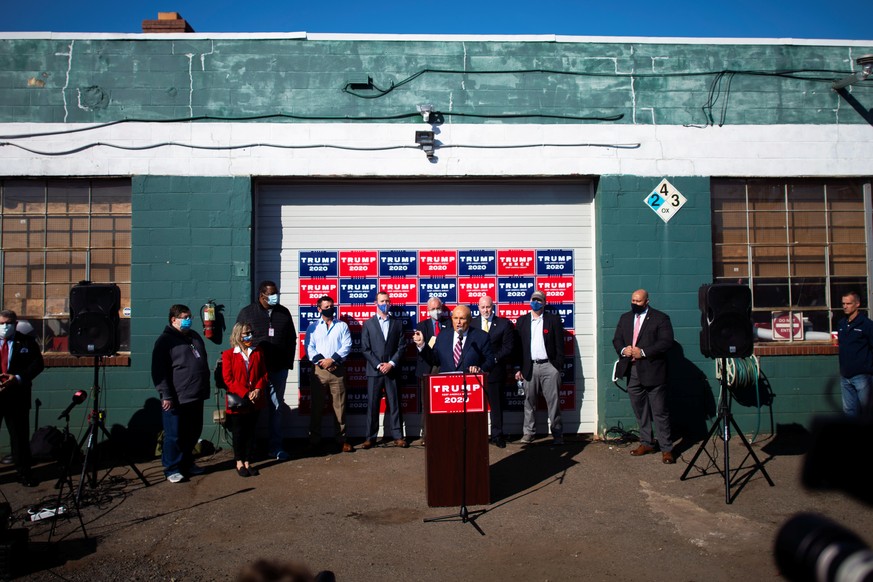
(273, 330)
(641, 339)
(180, 373)
(430, 327)
(328, 347)
(382, 346)
(541, 336)
(435, 323)
(20, 362)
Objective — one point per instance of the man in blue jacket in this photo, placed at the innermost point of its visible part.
(856, 355)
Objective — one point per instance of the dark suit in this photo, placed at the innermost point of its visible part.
(502, 336)
(377, 350)
(426, 326)
(542, 376)
(647, 377)
(476, 352)
(26, 363)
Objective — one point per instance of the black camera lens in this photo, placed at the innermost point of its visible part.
(812, 548)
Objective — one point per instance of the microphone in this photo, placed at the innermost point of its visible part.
(78, 398)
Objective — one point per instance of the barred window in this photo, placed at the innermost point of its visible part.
(55, 233)
(800, 244)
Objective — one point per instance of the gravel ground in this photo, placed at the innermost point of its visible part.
(585, 510)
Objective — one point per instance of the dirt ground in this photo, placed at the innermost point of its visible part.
(586, 510)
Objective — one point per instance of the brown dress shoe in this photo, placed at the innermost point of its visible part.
(367, 444)
(667, 458)
(401, 443)
(348, 448)
(643, 450)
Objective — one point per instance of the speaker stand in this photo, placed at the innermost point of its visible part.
(725, 420)
(96, 427)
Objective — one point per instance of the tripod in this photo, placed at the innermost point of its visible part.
(66, 478)
(724, 421)
(89, 441)
(464, 514)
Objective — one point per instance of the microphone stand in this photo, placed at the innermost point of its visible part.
(67, 448)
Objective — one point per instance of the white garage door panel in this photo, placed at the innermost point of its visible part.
(448, 215)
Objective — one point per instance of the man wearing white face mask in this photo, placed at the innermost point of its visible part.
(20, 362)
(437, 321)
(273, 330)
(181, 375)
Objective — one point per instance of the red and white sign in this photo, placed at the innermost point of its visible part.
(401, 291)
(513, 311)
(438, 263)
(311, 290)
(356, 315)
(569, 342)
(557, 289)
(471, 289)
(447, 393)
(359, 263)
(516, 262)
(786, 325)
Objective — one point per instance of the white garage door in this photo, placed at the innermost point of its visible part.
(388, 215)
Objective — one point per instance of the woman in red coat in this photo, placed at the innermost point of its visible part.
(245, 375)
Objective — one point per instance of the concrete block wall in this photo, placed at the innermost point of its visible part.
(82, 79)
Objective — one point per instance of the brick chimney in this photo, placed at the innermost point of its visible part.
(167, 22)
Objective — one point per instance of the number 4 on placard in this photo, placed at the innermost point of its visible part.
(665, 200)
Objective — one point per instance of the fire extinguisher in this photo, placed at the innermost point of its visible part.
(207, 315)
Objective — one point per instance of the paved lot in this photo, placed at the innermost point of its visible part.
(587, 510)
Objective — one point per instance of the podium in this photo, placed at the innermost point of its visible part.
(445, 452)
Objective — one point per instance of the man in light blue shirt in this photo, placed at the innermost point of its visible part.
(328, 347)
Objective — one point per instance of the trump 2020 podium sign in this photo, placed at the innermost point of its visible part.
(447, 393)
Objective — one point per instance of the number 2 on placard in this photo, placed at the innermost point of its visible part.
(655, 201)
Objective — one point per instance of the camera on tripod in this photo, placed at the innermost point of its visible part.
(810, 547)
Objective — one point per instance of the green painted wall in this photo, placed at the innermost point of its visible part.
(99, 80)
(636, 249)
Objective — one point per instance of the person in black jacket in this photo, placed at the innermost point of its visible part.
(274, 332)
(20, 362)
(180, 373)
(642, 338)
(501, 332)
(541, 336)
(855, 336)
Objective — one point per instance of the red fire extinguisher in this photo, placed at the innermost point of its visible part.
(207, 315)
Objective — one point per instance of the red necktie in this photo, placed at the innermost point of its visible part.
(636, 330)
(436, 328)
(458, 348)
(4, 356)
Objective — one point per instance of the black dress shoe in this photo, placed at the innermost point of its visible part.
(28, 481)
(253, 472)
(243, 472)
(499, 442)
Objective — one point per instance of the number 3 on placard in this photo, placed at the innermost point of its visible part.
(666, 192)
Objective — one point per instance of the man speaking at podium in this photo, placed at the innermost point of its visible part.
(466, 350)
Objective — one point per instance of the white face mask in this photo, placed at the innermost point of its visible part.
(7, 330)
(434, 314)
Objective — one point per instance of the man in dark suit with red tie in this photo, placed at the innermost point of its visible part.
(430, 328)
(20, 362)
(382, 345)
(501, 332)
(464, 349)
(642, 338)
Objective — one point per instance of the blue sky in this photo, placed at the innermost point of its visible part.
(848, 19)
